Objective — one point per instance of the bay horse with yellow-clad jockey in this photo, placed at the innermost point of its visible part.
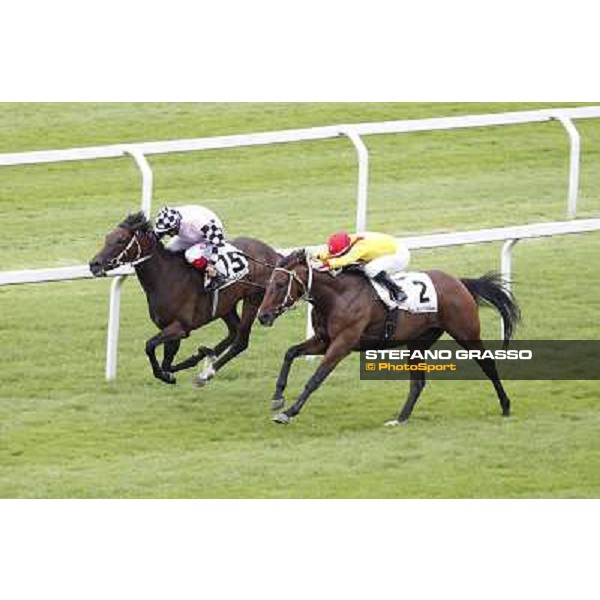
(348, 316)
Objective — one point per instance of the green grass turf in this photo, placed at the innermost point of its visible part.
(66, 433)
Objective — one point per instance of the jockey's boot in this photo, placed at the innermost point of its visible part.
(216, 282)
(396, 292)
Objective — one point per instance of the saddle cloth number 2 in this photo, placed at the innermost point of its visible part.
(423, 298)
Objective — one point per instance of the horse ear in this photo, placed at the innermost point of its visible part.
(145, 223)
(282, 261)
(128, 221)
(300, 256)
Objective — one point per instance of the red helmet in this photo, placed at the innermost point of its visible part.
(338, 243)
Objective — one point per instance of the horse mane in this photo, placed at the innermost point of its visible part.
(137, 222)
(293, 259)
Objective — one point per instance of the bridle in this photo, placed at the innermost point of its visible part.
(121, 259)
(289, 302)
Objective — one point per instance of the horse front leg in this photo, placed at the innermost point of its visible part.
(169, 335)
(337, 351)
(312, 346)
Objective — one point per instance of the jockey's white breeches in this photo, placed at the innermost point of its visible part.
(193, 252)
(201, 250)
(391, 264)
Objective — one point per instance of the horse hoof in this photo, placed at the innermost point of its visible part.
(168, 378)
(200, 382)
(278, 403)
(203, 378)
(395, 423)
(282, 419)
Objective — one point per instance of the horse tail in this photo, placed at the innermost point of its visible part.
(493, 290)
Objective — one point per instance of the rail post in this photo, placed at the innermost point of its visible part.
(506, 271)
(575, 163)
(362, 196)
(114, 314)
(114, 308)
(147, 177)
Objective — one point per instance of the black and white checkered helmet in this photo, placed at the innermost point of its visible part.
(167, 220)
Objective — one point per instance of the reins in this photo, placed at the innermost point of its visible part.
(262, 263)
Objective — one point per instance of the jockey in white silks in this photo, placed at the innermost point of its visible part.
(199, 233)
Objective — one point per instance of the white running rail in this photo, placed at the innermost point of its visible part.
(140, 151)
(509, 235)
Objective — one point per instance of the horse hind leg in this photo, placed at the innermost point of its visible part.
(488, 366)
(239, 343)
(417, 385)
(417, 378)
(232, 322)
(170, 351)
(464, 326)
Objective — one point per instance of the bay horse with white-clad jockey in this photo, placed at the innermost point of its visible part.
(178, 300)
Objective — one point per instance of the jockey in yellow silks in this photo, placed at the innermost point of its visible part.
(382, 256)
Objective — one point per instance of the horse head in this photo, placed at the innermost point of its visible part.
(290, 281)
(131, 243)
